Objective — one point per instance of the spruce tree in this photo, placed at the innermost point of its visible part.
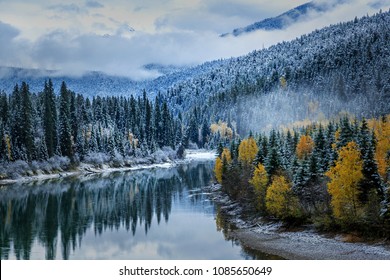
(50, 118)
(65, 140)
(27, 136)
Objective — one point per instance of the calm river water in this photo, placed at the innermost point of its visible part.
(149, 214)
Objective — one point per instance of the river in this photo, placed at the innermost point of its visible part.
(160, 213)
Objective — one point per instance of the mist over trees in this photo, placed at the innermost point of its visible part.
(343, 67)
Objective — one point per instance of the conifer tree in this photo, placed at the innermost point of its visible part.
(50, 118)
(65, 140)
(27, 136)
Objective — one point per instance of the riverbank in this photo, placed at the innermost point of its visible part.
(300, 244)
(137, 164)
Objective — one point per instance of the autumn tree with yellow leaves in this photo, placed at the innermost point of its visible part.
(225, 158)
(280, 200)
(247, 151)
(259, 182)
(381, 129)
(344, 184)
(305, 146)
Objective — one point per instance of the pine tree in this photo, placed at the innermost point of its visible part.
(50, 118)
(346, 133)
(27, 136)
(371, 180)
(320, 151)
(205, 132)
(272, 162)
(65, 140)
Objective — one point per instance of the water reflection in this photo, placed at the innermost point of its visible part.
(149, 214)
(72, 206)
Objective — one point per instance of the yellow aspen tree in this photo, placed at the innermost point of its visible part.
(305, 146)
(247, 151)
(283, 82)
(280, 200)
(226, 154)
(8, 144)
(259, 182)
(382, 133)
(218, 169)
(344, 184)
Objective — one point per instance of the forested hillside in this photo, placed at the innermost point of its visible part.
(344, 67)
(43, 131)
(334, 175)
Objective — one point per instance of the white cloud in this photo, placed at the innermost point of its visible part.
(184, 39)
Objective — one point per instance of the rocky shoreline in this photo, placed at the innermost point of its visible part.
(301, 244)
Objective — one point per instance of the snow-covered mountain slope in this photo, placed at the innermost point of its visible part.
(90, 84)
(344, 64)
(286, 19)
(344, 67)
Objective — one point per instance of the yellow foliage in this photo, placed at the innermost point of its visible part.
(8, 144)
(305, 146)
(344, 180)
(259, 182)
(218, 169)
(382, 133)
(280, 200)
(283, 82)
(247, 150)
(226, 154)
(337, 135)
(222, 128)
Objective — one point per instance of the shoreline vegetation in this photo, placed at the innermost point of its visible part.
(168, 160)
(333, 176)
(302, 242)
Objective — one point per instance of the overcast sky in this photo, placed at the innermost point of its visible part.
(120, 36)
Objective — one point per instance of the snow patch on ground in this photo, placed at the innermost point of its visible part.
(200, 155)
(103, 168)
(270, 237)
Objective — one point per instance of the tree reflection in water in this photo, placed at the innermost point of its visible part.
(64, 210)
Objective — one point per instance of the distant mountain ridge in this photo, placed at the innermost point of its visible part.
(286, 19)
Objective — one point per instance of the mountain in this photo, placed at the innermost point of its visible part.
(338, 69)
(89, 84)
(341, 68)
(286, 19)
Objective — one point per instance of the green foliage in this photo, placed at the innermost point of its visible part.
(309, 175)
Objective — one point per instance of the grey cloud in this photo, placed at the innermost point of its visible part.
(94, 4)
(7, 31)
(198, 21)
(67, 8)
(118, 55)
(13, 51)
(101, 26)
(231, 8)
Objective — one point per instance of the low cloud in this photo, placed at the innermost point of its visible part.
(94, 4)
(124, 51)
(67, 8)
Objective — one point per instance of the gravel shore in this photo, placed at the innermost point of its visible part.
(304, 244)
